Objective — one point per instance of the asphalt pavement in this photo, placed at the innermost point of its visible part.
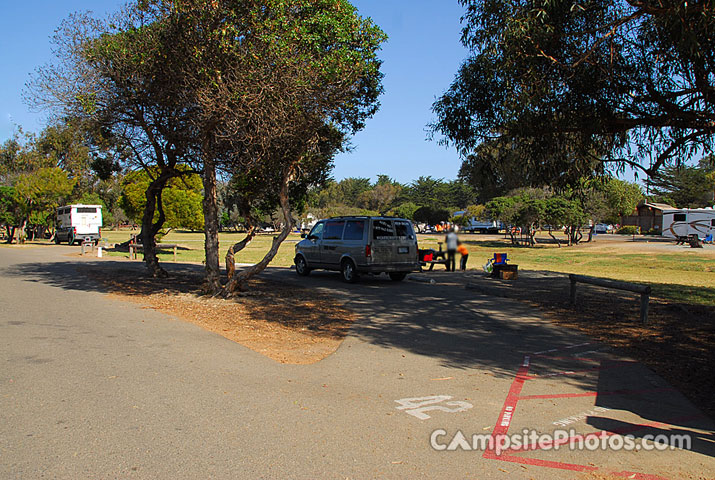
(94, 387)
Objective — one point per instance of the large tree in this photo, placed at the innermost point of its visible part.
(578, 84)
(275, 83)
(119, 77)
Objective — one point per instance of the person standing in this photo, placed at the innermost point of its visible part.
(465, 255)
(451, 240)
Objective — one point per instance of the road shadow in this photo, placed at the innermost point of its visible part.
(294, 308)
(666, 413)
(458, 327)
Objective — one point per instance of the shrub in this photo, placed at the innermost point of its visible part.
(628, 230)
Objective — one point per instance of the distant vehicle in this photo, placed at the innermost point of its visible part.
(268, 229)
(355, 244)
(478, 226)
(308, 224)
(689, 221)
(603, 228)
(79, 223)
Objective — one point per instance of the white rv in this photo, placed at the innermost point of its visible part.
(79, 223)
(689, 221)
(478, 226)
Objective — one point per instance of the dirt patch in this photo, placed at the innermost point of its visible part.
(288, 324)
(678, 342)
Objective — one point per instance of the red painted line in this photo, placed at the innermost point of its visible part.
(618, 431)
(512, 398)
(539, 463)
(504, 422)
(596, 394)
(587, 370)
(569, 466)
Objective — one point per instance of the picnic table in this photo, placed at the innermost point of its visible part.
(693, 240)
(134, 247)
(433, 257)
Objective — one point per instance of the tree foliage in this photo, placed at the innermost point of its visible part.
(180, 201)
(577, 84)
(686, 186)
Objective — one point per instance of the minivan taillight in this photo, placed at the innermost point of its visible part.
(368, 251)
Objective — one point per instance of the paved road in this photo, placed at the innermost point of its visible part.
(92, 387)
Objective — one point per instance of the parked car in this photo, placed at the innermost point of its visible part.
(603, 228)
(355, 245)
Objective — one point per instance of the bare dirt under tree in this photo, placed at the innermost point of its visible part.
(286, 323)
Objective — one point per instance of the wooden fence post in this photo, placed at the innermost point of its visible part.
(644, 308)
(573, 290)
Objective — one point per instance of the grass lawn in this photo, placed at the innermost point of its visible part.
(678, 274)
(193, 246)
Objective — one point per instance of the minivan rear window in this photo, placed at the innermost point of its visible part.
(334, 230)
(354, 230)
(403, 229)
(382, 229)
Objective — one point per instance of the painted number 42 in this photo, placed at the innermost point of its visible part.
(417, 406)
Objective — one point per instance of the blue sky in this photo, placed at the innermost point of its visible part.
(419, 62)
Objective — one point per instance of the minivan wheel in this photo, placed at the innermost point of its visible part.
(397, 276)
(301, 268)
(348, 271)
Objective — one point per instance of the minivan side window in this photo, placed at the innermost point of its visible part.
(317, 231)
(403, 229)
(382, 229)
(354, 230)
(679, 217)
(334, 230)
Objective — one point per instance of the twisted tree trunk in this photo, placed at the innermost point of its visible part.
(238, 281)
(150, 229)
(237, 247)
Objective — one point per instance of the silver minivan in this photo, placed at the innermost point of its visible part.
(355, 245)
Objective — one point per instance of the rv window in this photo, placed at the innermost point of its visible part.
(86, 210)
(712, 223)
(679, 217)
(382, 229)
(354, 230)
(334, 230)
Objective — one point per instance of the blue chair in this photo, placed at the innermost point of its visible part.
(708, 238)
(499, 259)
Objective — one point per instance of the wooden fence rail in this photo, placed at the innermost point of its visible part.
(643, 290)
